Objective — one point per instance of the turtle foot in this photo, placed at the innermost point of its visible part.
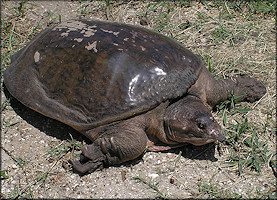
(91, 159)
(87, 167)
(249, 89)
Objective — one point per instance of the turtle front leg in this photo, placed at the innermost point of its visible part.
(119, 143)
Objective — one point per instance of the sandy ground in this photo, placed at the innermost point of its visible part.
(28, 137)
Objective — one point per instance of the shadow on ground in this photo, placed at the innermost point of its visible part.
(61, 131)
(45, 124)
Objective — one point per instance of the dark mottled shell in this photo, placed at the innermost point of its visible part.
(88, 73)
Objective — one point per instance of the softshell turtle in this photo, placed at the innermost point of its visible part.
(124, 87)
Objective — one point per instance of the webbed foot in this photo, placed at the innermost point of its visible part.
(87, 167)
(102, 152)
(91, 159)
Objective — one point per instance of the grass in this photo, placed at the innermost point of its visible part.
(62, 149)
(231, 37)
(247, 150)
(6, 124)
(209, 190)
(4, 174)
(151, 184)
(13, 40)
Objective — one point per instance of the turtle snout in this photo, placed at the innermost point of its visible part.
(217, 134)
(221, 138)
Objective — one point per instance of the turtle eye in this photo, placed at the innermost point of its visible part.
(201, 125)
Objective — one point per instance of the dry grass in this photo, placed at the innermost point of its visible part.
(232, 38)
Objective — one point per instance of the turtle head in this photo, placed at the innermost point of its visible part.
(189, 120)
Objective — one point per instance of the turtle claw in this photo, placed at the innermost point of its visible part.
(110, 142)
(86, 167)
(91, 159)
(78, 166)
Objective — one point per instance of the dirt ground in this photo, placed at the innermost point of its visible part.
(35, 149)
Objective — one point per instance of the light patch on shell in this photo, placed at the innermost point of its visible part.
(132, 86)
(108, 31)
(92, 46)
(92, 27)
(115, 33)
(75, 26)
(158, 71)
(185, 58)
(36, 56)
(115, 44)
(89, 33)
(70, 29)
(142, 48)
(134, 34)
(126, 39)
(78, 39)
(64, 34)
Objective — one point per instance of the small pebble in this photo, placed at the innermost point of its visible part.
(153, 176)
(171, 180)
(203, 40)
(14, 166)
(123, 175)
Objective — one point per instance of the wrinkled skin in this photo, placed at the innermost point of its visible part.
(188, 120)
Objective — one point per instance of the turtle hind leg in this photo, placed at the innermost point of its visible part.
(119, 143)
(212, 91)
(242, 88)
(248, 89)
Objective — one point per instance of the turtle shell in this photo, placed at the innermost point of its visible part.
(90, 73)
